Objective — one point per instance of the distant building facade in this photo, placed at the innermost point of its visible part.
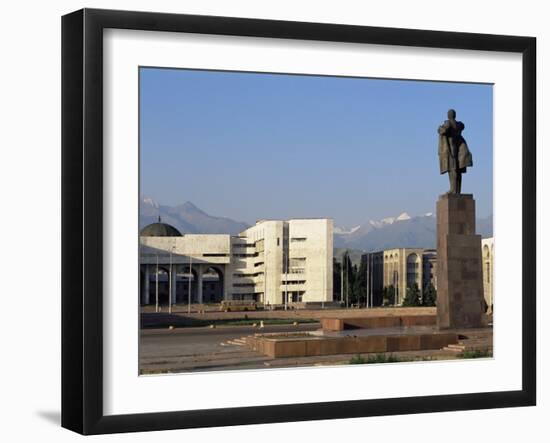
(399, 268)
(403, 267)
(272, 262)
(487, 258)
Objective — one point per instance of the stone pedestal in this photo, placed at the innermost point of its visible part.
(459, 266)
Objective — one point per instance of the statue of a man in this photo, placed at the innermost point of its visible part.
(454, 155)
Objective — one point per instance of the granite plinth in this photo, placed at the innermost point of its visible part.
(340, 324)
(361, 341)
(459, 264)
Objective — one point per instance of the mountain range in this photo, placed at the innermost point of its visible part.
(402, 231)
(187, 218)
(391, 232)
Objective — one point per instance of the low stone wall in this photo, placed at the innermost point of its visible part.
(281, 347)
(340, 324)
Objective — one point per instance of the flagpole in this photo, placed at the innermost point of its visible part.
(347, 282)
(157, 286)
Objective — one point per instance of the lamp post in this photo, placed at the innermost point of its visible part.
(189, 291)
(170, 283)
(342, 281)
(369, 277)
(396, 288)
(286, 270)
(371, 281)
(324, 287)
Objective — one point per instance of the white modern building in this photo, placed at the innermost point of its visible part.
(272, 262)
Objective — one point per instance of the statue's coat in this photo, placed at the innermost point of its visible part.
(453, 148)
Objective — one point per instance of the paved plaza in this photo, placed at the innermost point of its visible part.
(190, 349)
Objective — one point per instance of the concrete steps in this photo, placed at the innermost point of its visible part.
(473, 344)
(455, 348)
(235, 342)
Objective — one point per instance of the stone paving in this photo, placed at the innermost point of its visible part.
(224, 348)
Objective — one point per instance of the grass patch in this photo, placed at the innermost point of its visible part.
(178, 321)
(267, 321)
(288, 335)
(153, 371)
(371, 359)
(357, 360)
(476, 354)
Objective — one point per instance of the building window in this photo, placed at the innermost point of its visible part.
(297, 262)
(413, 264)
(298, 239)
(243, 275)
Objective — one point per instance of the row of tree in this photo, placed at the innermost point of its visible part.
(350, 282)
(413, 297)
(350, 285)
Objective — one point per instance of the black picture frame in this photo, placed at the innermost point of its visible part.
(82, 217)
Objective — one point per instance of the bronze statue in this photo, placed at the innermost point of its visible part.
(454, 155)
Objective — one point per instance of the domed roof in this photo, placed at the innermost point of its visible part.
(159, 229)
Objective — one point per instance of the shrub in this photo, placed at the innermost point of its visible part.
(357, 360)
(373, 359)
(476, 354)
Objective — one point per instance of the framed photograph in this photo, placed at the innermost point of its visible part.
(269, 221)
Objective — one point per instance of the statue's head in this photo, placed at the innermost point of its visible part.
(451, 114)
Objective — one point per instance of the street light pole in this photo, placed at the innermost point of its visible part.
(286, 288)
(170, 284)
(323, 295)
(342, 281)
(189, 291)
(371, 280)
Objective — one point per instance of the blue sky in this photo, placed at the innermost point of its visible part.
(250, 146)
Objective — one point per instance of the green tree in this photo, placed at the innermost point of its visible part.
(337, 279)
(361, 282)
(350, 272)
(412, 298)
(388, 295)
(353, 292)
(430, 295)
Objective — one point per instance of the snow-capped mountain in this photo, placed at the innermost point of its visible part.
(150, 202)
(345, 231)
(389, 220)
(399, 232)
